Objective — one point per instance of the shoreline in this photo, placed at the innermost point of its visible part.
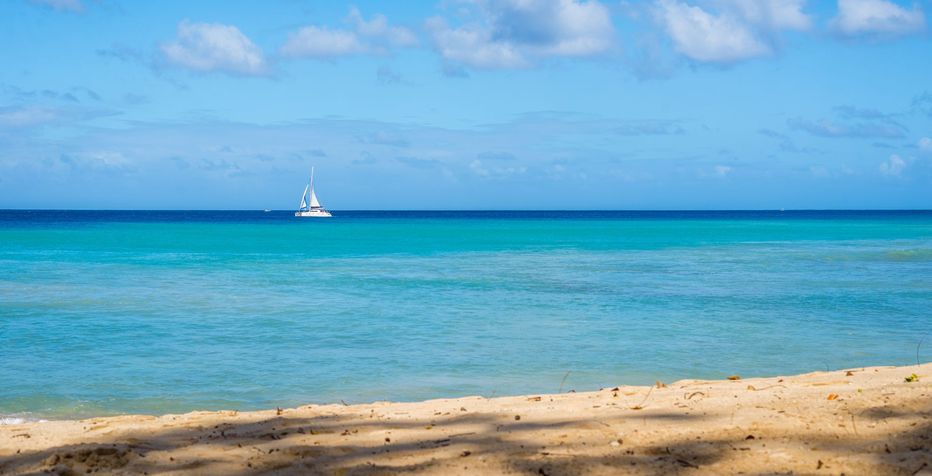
(857, 421)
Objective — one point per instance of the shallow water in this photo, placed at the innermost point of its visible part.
(111, 312)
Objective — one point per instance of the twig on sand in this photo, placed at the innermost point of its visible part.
(564, 381)
(917, 349)
(640, 406)
(755, 389)
(685, 463)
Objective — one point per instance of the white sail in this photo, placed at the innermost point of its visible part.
(314, 202)
(304, 197)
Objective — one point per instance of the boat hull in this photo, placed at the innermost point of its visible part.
(312, 214)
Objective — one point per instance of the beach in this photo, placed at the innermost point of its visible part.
(855, 421)
(536, 237)
(166, 342)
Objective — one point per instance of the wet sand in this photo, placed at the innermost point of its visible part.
(857, 421)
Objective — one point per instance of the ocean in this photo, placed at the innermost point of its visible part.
(105, 312)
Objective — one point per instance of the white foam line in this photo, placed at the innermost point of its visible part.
(9, 420)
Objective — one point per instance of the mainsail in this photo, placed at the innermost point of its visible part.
(313, 197)
(309, 197)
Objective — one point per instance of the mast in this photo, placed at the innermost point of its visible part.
(312, 199)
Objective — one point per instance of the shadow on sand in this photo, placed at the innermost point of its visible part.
(623, 441)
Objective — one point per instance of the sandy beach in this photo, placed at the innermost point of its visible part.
(856, 421)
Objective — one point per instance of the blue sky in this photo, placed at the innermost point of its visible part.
(459, 104)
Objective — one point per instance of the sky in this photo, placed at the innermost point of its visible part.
(466, 104)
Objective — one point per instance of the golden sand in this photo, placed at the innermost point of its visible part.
(858, 421)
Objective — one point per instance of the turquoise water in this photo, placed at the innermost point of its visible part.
(154, 312)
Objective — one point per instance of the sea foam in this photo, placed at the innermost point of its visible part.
(15, 420)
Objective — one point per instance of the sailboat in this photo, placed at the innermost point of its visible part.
(310, 206)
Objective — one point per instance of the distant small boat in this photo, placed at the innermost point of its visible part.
(267, 210)
(310, 206)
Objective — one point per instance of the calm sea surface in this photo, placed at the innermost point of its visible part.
(111, 312)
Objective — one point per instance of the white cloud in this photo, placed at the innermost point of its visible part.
(829, 128)
(71, 5)
(96, 160)
(893, 167)
(214, 47)
(709, 38)
(26, 116)
(511, 33)
(925, 144)
(774, 14)
(553, 27)
(367, 36)
(722, 170)
(739, 30)
(320, 42)
(482, 170)
(379, 28)
(473, 46)
(876, 17)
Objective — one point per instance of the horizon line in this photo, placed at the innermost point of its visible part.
(478, 210)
